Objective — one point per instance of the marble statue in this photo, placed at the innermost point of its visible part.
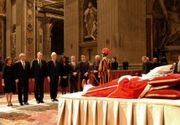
(90, 20)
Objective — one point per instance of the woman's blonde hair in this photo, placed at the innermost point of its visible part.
(7, 59)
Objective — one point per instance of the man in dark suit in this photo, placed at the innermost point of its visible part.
(114, 64)
(83, 67)
(22, 75)
(177, 66)
(147, 65)
(38, 71)
(53, 76)
(155, 63)
(125, 65)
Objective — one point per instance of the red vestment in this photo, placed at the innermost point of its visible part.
(136, 87)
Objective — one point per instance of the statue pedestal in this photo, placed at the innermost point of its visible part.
(89, 38)
(89, 49)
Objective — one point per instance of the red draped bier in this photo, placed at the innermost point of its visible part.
(103, 90)
(124, 89)
(129, 88)
(136, 87)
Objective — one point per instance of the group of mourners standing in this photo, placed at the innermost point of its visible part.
(148, 65)
(68, 74)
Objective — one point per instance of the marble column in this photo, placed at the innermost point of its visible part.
(30, 28)
(71, 27)
(2, 27)
(132, 28)
(20, 26)
(121, 27)
(2, 34)
(107, 23)
(8, 28)
(25, 28)
(40, 35)
(47, 41)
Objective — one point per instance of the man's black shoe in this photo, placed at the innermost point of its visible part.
(21, 104)
(55, 100)
(26, 103)
(41, 101)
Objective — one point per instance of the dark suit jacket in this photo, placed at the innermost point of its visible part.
(146, 67)
(73, 68)
(53, 70)
(125, 65)
(155, 64)
(37, 71)
(64, 69)
(22, 74)
(114, 65)
(83, 68)
(96, 65)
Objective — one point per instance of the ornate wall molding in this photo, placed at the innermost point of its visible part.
(30, 28)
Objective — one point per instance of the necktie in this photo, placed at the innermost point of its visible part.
(23, 64)
(54, 63)
(39, 62)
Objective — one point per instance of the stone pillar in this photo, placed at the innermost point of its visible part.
(121, 27)
(2, 27)
(25, 27)
(132, 30)
(47, 41)
(8, 27)
(30, 28)
(71, 28)
(11, 29)
(20, 32)
(108, 30)
(40, 36)
(2, 34)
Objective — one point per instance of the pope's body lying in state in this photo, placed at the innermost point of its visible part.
(160, 82)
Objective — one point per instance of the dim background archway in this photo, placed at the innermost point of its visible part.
(57, 37)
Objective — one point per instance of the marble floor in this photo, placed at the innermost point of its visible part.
(32, 114)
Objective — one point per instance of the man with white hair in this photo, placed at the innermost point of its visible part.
(146, 64)
(95, 68)
(73, 75)
(53, 76)
(22, 75)
(38, 70)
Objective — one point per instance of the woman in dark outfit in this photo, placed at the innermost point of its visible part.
(64, 71)
(8, 80)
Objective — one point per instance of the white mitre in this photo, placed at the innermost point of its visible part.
(158, 71)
